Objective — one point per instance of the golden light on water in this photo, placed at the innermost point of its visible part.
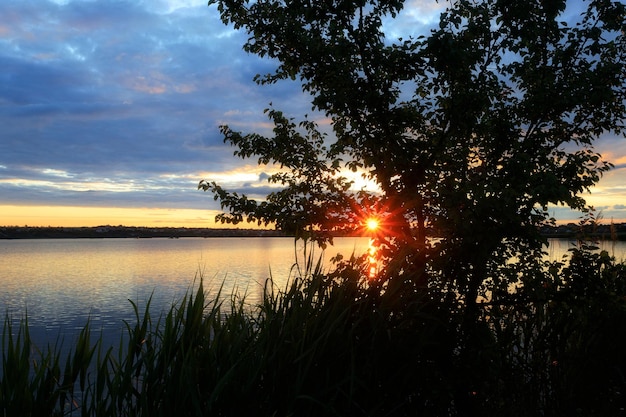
(372, 260)
(372, 226)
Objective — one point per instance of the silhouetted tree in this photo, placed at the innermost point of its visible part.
(470, 132)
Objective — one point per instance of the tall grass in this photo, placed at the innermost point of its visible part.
(328, 345)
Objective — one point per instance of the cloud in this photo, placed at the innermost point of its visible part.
(118, 103)
(120, 89)
(416, 18)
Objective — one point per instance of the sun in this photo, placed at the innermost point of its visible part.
(372, 224)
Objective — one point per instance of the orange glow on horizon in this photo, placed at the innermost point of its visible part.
(71, 216)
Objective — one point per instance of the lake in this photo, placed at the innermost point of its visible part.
(62, 282)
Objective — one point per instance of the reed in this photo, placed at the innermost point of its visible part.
(328, 345)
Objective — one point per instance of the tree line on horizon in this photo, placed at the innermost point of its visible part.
(612, 231)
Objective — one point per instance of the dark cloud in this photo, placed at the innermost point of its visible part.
(121, 94)
(118, 103)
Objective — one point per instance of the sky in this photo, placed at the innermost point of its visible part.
(110, 112)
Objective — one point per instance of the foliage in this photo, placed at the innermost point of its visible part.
(470, 132)
(31, 380)
(314, 197)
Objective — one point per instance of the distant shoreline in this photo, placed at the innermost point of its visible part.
(569, 231)
(101, 232)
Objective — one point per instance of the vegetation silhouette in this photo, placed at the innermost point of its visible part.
(328, 345)
(470, 132)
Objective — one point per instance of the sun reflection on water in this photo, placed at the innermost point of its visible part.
(372, 260)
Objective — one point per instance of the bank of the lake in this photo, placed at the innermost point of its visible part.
(327, 345)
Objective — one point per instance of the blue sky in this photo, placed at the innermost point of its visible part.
(109, 112)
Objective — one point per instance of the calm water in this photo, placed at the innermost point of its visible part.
(560, 247)
(62, 282)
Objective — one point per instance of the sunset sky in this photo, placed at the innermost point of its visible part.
(109, 112)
